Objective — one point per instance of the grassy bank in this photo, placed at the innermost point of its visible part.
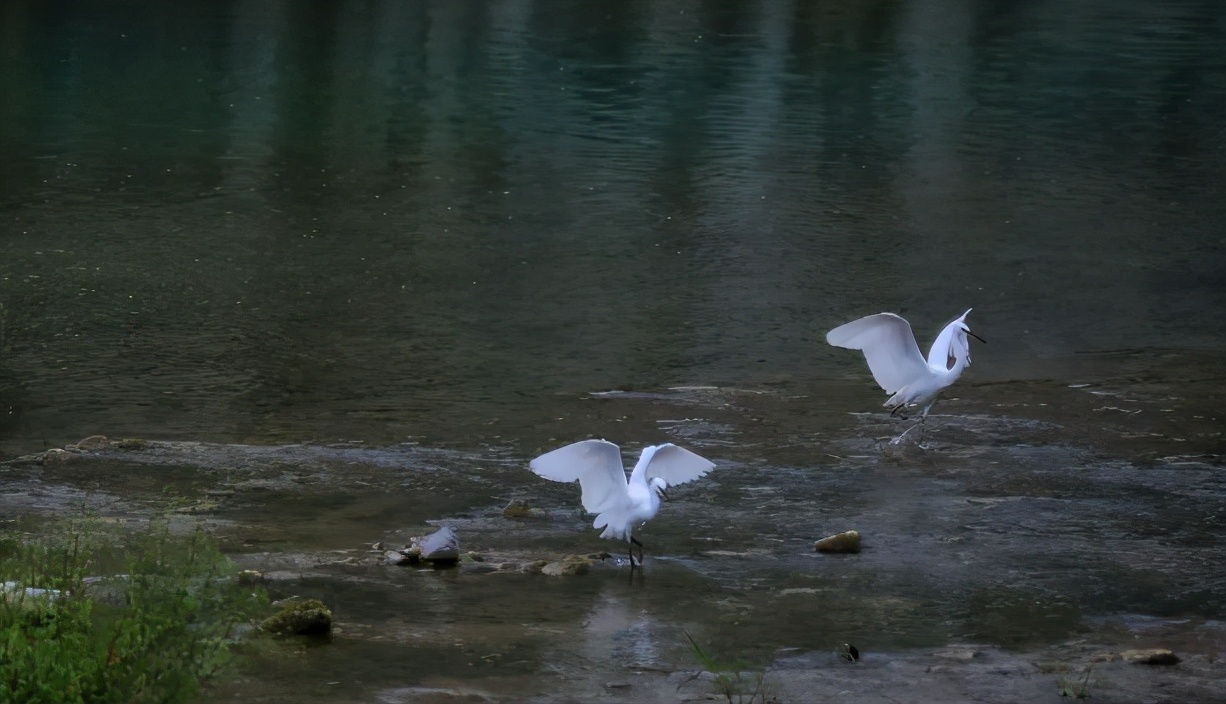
(96, 612)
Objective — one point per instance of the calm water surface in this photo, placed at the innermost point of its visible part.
(451, 222)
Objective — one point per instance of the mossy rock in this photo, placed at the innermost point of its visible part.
(517, 509)
(130, 444)
(55, 455)
(94, 442)
(308, 617)
(569, 566)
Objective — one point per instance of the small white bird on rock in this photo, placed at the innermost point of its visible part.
(896, 363)
(621, 504)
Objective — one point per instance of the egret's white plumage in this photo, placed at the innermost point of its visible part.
(896, 363)
(620, 503)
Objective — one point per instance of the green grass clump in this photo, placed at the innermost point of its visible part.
(127, 617)
(738, 682)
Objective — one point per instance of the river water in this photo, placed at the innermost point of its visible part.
(487, 229)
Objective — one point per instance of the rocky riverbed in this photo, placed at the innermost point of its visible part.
(1012, 559)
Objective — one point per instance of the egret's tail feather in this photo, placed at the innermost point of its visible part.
(610, 522)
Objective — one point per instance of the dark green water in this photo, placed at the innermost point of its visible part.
(452, 222)
(313, 220)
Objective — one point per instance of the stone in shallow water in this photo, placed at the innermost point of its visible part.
(1151, 656)
(94, 442)
(441, 546)
(247, 577)
(395, 557)
(846, 542)
(570, 565)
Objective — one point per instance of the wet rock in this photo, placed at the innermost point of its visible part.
(306, 617)
(959, 654)
(845, 542)
(247, 577)
(396, 557)
(15, 589)
(569, 566)
(475, 556)
(534, 567)
(130, 444)
(1150, 656)
(516, 509)
(1104, 657)
(440, 547)
(93, 442)
(56, 455)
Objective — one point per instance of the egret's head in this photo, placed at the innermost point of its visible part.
(659, 486)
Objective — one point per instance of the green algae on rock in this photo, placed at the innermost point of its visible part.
(307, 617)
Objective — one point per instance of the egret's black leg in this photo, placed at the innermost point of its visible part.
(635, 541)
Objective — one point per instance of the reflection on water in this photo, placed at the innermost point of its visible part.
(252, 220)
(267, 222)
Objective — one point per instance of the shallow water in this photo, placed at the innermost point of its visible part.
(381, 254)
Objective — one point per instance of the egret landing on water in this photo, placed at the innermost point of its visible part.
(897, 365)
(621, 504)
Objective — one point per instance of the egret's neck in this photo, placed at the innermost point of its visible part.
(961, 359)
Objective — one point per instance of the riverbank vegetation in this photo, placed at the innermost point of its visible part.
(96, 612)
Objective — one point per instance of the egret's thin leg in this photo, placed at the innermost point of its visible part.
(923, 425)
(635, 541)
(918, 424)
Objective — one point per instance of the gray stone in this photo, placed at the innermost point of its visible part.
(395, 557)
(442, 546)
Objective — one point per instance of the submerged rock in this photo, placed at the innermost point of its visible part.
(1151, 656)
(845, 542)
(307, 617)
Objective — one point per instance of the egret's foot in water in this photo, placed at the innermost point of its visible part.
(633, 562)
(920, 424)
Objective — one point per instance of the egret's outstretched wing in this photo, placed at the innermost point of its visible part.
(596, 464)
(941, 354)
(888, 345)
(675, 465)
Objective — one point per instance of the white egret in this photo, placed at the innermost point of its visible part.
(621, 504)
(896, 363)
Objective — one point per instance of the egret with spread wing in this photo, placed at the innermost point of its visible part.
(896, 363)
(621, 504)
